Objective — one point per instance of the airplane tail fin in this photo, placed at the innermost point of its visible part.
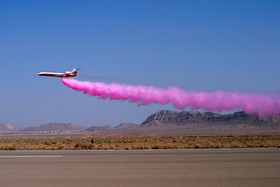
(76, 70)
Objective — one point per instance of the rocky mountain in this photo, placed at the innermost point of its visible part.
(167, 122)
(127, 126)
(54, 127)
(165, 117)
(8, 128)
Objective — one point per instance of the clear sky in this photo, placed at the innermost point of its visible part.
(195, 45)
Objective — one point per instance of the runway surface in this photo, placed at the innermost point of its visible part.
(211, 167)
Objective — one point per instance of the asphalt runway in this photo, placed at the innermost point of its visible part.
(211, 167)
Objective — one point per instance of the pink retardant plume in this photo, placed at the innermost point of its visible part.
(251, 103)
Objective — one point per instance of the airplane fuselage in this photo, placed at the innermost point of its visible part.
(50, 74)
(66, 74)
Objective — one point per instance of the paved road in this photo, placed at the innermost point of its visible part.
(217, 167)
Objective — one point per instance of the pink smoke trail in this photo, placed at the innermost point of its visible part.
(251, 103)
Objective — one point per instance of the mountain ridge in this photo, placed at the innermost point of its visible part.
(54, 127)
(164, 117)
(172, 122)
(8, 127)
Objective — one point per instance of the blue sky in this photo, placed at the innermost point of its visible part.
(195, 45)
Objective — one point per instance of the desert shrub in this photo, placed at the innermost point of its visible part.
(155, 147)
(8, 147)
(167, 147)
(47, 143)
(77, 146)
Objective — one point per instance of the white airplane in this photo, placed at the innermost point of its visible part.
(66, 74)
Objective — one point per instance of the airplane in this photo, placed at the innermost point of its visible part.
(66, 74)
